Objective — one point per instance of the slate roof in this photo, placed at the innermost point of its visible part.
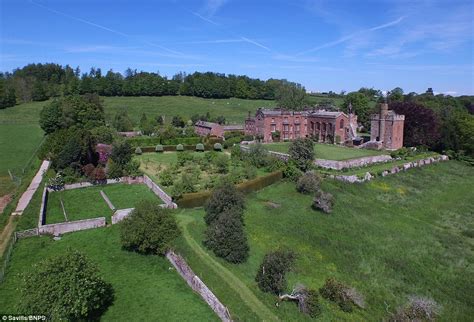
(209, 125)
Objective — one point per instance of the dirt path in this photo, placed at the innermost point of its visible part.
(260, 309)
(30, 191)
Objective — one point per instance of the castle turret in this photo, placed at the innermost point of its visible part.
(382, 116)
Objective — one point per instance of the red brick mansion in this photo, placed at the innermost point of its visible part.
(281, 125)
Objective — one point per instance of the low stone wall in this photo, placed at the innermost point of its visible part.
(333, 164)
(396, 169)
(352, 163)
(67, 227)
(159, 192)
(198, 286)
(121, 214)
(127, 180)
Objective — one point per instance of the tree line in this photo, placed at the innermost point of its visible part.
(39, 82)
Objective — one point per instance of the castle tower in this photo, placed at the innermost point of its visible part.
(382, 117)
(386, 128)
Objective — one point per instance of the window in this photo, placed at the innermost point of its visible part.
(273, 120)
(273, 127)
(341, 124)
(297, 127)
(318, 126)
(324, 126)
(285, 127)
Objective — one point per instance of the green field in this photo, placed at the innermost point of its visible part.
(85, 203)
(146, 289)
(328, 151)
(234, 109)
(390, 238)
(20, 136)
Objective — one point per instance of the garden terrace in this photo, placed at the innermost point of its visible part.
(328, 151)
(202, 167)
(86, 203)
(390, 238)
(145, 288)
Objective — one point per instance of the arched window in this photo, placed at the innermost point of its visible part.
(341, 124)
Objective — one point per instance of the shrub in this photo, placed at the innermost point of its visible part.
(200, 147)
(217, 147)
(226, 237)
(418, 309)
(323, 201)
(235, 175)
(138, 150)
(179, 147)
(184, 185)
(222, 163)
(57, 182)
(66, 287)
(236, 153)
(99, 174)
(311, 305)
(114, 170)
(308, 183)
(271, 276)
(132, 169)
(121, 153)
(166, 177)
(301, 151)
(149, 229)
(257, 155)
(184, 157)
(88, 170)
(341, 294)
(223, 198)
(274, 164)
(250, 172)
(291, 171)
(159, 148)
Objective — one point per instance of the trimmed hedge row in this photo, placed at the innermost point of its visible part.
(168, 148)
(198, 199)
(154, 140)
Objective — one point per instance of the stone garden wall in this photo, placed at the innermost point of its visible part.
(395, 169)
(353, 163)
(67, 227)
(120, 215)
(333, 164)
(198, 286)
(159, 192)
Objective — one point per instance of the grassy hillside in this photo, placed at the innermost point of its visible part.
(235, 110)
(390, 238)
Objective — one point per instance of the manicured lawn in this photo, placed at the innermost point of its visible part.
(390, 238)
(87, 203)
(328, 151)
(145, 286)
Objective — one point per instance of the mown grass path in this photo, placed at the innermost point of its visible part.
(260, 309)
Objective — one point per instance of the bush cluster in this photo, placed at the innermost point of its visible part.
(308, 183)
(344, 296)
(271, 275)
(149, 229)
(323, 201)
(66, 287)
(225, 234)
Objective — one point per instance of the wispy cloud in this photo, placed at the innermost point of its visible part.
(102, 27)
(351, 36)
(204, 18)
(212, 6)
(253, 42)
(215, 41)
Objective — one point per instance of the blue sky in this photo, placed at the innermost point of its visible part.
(324, 45)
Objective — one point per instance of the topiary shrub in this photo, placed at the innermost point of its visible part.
(179, 148)
(223, 198)
(271, 276)
(323, 201)
(308, 183)
(226, 237)
(417, 309)
(159, 148)
(217, 147)
(149, 229)
(200, 147)
(66, 287)
(341, 294)
(138, 150)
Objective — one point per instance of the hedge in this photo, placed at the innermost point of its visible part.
(198, 199)
(154, 140)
